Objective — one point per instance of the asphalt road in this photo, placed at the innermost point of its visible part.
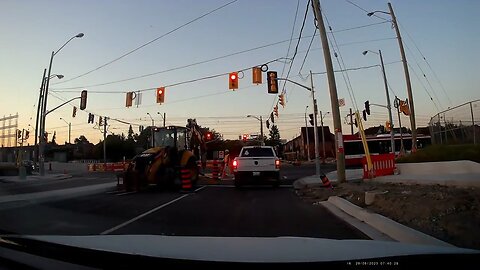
(213, 210)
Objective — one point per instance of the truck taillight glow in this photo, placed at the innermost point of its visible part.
(235, 164)
(277, 163)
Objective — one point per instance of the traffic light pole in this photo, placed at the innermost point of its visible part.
(308, 141)
(323, 137)
(337, 123)
(37, 122)
(389, 106)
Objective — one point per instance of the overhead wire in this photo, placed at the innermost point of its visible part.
(150, 42)
(366, 11)
(428, 64)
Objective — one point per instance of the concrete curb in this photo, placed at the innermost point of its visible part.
(393, 229)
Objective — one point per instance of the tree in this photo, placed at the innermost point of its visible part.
(274, 139)
(54, 137)
(130, 133)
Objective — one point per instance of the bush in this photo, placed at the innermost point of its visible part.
(434, 153)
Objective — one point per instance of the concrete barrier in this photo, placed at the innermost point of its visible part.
(385, 225)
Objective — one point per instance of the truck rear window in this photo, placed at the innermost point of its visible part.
(257, 152)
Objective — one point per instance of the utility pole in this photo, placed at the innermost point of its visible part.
(164, 117)
(323, 137)
(337, 123)
(407, 79)
(70, 133)
(105, 141)
(397, 105)
(261, 130)
(315, 128)
(351, 121)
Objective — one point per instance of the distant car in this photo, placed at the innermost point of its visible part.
(257, 165)
(30, 166)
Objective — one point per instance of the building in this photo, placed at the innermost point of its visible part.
(298, 148)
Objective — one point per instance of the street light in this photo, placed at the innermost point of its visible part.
(407, 74)
(40, 105)
(44, 107)
(389, 106)
(151, 129)
(164, 116)
(306, 131)
(69, 129)
(261, 126)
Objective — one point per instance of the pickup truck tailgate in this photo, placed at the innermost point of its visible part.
(256, 164)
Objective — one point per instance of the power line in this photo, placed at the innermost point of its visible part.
(357, 27)
(291, 36)
(308, 50)
(150, 42)
(428, 64)
(366, 11)
(423, 86)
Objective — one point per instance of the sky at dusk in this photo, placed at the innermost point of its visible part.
(241, 35)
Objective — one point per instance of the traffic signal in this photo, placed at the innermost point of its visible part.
(245, 137)
(364, 115)
(404, 107)
(208, 136)
(74, 113)
(233, 80)
(83, 100)
(388, 126)
(100, 122)
(257, 75)
(272, 82)
(275, 110)
(91, 118)
(272, 118)
(311, 119)
(268, 124)
(367, 107)
(282, 100)
(19, 133)
(128, 102)
(27, 134)
(161, 95)
(355, 122)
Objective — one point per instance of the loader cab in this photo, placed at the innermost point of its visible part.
(172, 136)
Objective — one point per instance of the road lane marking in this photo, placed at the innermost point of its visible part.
(148, 212)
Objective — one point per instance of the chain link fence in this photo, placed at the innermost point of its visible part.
(457, 125)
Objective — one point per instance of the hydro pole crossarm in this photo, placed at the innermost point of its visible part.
(61, 105)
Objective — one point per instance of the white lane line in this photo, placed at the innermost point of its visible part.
(148, 213)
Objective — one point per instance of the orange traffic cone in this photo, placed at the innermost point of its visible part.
(325, 181)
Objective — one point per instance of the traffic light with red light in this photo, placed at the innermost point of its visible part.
(272, 82)
(245, 137)
(83, 100)
(233, 80)
(161, 95)
(208, 136)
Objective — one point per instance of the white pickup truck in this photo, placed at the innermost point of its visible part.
(257, 164)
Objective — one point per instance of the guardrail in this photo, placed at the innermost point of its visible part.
(383, 164)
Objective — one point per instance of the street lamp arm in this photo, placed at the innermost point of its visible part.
(380, 11)
(253, 117)
(61, 105)
(301, 85)
(379, 105)
(76, 36)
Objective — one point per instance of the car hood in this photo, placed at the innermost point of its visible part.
(235, 249)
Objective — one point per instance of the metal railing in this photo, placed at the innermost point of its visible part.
(457, 125)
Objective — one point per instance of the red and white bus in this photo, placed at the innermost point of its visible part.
(379, 144)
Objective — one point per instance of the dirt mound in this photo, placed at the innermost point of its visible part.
(447, 213)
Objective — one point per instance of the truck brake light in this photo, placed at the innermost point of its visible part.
(235, 164)
(277, 164)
